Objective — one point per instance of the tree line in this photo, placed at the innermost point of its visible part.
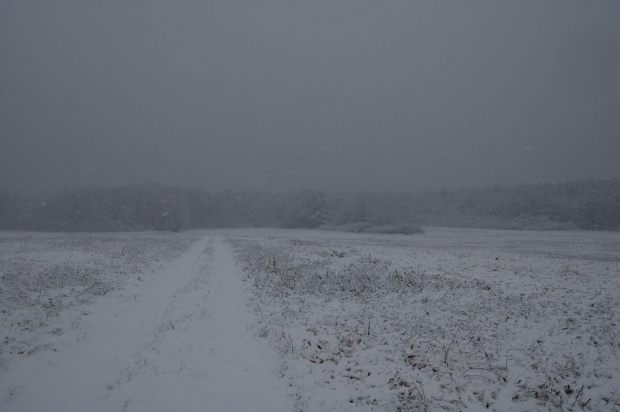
(158, 207)
(586, 205)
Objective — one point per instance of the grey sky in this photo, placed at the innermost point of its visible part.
(337, 95)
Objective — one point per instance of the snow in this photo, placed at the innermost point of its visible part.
(455, 319)
(259, 319)
(179, 339)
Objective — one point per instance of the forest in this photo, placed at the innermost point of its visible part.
(582, 205)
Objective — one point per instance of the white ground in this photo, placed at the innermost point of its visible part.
(273, 320)
(178, 339)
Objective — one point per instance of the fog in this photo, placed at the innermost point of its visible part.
(334, 95)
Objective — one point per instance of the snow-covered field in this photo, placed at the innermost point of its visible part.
(259, 319)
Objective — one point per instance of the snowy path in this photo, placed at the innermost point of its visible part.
(181, 340)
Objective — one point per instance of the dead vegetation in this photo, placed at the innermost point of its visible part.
(393, 331)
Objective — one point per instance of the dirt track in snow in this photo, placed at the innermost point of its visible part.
(180, 339)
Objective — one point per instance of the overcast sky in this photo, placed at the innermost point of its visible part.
(335, 95)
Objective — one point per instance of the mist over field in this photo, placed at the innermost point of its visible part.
(314, 95)
(275, 205)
